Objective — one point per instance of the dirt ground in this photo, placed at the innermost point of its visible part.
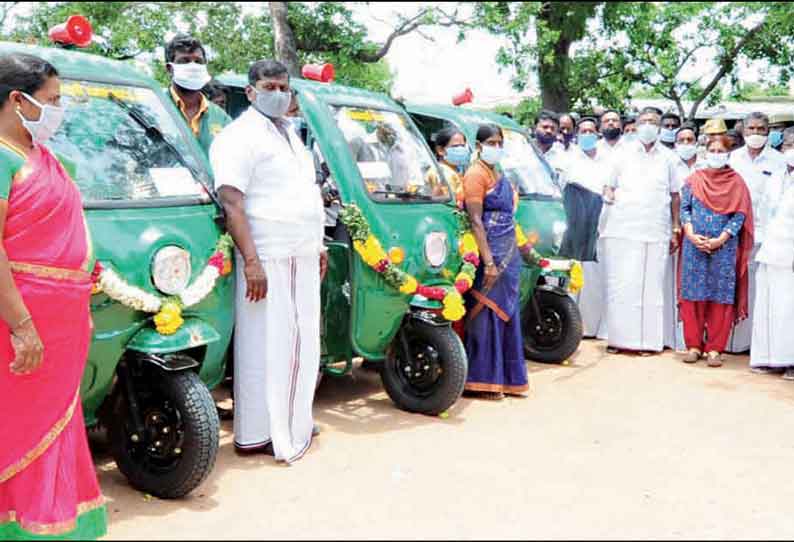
(607, 446)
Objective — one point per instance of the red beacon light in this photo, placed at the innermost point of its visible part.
(323, 73)
(463, 98)
(76, 31)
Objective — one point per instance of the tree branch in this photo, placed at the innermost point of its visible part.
(727, 62)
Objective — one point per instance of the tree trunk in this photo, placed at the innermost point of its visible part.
(284, 39)
(554, 73)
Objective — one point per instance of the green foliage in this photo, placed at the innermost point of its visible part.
(604, 52)
(324, 32)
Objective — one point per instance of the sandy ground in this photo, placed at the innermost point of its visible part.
(604, 447)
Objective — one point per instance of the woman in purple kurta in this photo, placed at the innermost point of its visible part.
(493, 330)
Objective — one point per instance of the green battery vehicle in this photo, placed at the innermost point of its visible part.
(551, 322)
(162, 307)
(370, 157)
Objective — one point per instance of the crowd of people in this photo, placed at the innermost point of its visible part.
(693, 236)
(696, 227)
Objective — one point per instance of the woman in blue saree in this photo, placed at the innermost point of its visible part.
(493, 329)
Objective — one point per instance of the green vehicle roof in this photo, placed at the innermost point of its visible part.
(78, 65)
(327, 92)
(464, 117)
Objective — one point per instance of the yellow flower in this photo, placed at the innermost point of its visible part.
(468, 244)
(169, 319)
(533, 238)
(370, 251)
(409, 286)
(521, 238)
(227, 267)
(577, 277)
(454, 309)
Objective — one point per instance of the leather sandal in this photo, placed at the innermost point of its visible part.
(692, 356)
(715, 359)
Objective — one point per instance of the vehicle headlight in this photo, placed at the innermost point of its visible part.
(558, 232)
(171, 270)
(436, 248)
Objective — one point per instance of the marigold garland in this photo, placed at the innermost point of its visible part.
(168, 318)
(372, 253)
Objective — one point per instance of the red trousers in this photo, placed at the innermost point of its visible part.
(707, 325)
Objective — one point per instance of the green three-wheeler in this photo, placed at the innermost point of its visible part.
(369, 154)
(551, 322)
(163, 304)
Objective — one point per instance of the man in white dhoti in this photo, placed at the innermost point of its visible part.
(687, 163)
(637, 238)
(773, 340)
(591, 168)
(762, 168)
(266, 181)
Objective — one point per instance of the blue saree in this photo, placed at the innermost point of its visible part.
(493, 330)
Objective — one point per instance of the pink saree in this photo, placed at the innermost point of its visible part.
(48, 485)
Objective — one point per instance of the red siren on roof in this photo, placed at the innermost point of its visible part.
(463, 98)
(75, 31)
(323, 73)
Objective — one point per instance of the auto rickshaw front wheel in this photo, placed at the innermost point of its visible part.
(551, 325)
(177, 447)
(425, 369)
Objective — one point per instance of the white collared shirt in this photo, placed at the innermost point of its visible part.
(764, 178)
(643, 182)
(778, 246)
(683, 170)
(282, 199)
(592, 173)
(608, 150)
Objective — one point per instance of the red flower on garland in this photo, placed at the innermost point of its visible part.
(432, 292)
(216, 261)
(381, 266)
(462, 286)
(544, 263)
(472, 258)
(97, 271)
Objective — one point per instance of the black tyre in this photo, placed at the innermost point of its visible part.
(425, 369)
(179, 444)
(556, 336)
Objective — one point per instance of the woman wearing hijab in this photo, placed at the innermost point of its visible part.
(717, 215)
(493, 329)
(453, 154)
(48, 485)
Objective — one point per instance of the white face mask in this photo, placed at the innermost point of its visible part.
(685, 151)
(491, 155)
(789, 154)
(272, 103)
(190, 76)
(647, 133)
(755, 141)
(717, 160)
(50, 119)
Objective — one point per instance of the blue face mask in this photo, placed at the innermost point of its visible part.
(667, 135)
(775, 138)
(458, 156)
(587, 142)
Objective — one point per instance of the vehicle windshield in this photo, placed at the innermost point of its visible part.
(112, 156)
(524, 168)
(391, 156)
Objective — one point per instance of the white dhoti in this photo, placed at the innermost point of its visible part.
(592, 298)
(635, 293)
(673, 327)
(277, 357)
(742, 334)
(773, 340)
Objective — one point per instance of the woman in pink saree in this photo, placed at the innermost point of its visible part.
(48, 485)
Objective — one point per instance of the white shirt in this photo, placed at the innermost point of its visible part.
(764, 179)
(592, 173)
(778, 247)
(608, 150)
(643, 181)
(683, 170)
(282, 199)
(558, 158)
